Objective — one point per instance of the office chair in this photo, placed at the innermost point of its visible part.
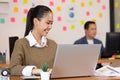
(12, 40)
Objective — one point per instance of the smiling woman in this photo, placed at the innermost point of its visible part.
(33, 50)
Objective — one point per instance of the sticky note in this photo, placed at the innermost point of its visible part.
(82, 22)
(25, 1)
(12, 19)
(116, 4)
(25, 11)
(63, 1)
(100, 14)
(94, 20)
(103, 7)
(98, 1)
(58, 8)
(87, 13)
(71, 14)
(118, 26)
(64, 28)
(73, 1)
(2, 20)
(90, 3)
(16, 9)
(72, 27)
(59, 18)
(15, 1)
(24, 19)
(82, 4)
(51, 3)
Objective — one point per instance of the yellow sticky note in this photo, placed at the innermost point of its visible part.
(16, 9)
(72, 27)
(118, 26)
(58, 8)
(25, 1)
(82, 22)
(73, 1)
(24, 19)
(116, 4)
(82, 4)
(90, 3)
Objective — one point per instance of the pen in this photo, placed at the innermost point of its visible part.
(113, 70)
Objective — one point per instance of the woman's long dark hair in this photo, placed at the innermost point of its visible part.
(36, 12)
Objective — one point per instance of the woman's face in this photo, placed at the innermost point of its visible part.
(45, 24)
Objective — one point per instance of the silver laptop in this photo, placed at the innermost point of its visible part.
(75, 60)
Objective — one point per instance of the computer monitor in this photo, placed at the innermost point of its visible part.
(112, 44)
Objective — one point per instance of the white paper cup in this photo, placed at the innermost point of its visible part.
(45, 75)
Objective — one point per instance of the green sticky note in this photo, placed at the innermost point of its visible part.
(2, 20)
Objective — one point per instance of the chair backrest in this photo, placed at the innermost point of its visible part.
(12, 40)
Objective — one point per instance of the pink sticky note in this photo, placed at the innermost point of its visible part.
(12, 19)
(87, 13)
(59, 18)
(25, 11)
(15, 1)
(51, 3)
(63, 1)
(98, 1)
(103, 7)
(64, 28)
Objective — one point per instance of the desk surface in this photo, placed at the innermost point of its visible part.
(77, 78)
(103, 60)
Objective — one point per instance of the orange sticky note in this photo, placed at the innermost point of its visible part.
(58, 8)
(16, 9)
(82, 4)
(100, 14)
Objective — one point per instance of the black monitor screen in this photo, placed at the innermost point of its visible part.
(112, 44)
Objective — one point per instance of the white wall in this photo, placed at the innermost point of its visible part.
(89, 10)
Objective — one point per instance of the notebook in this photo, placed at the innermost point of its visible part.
(75, 60)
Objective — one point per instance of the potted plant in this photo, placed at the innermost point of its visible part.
(45, 74)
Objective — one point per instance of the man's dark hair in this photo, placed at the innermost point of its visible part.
(86, 26)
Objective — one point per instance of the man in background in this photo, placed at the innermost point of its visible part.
(89, 38)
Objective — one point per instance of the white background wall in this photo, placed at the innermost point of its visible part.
(96, 10)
